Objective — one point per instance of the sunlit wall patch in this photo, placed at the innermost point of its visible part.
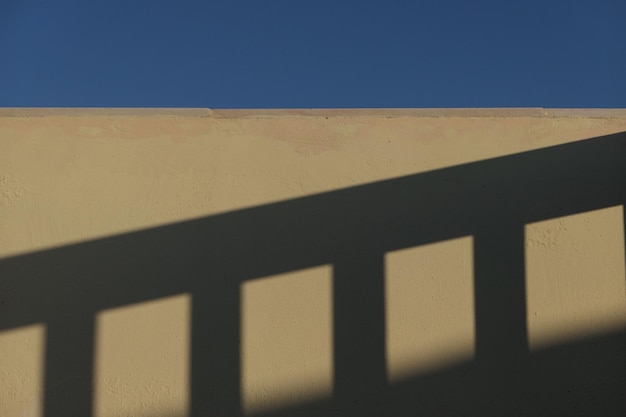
(429, 307)
(22, 371)
(142, 359)
(575, 277)
(286, 339)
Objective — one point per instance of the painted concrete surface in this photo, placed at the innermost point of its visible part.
(119, 222)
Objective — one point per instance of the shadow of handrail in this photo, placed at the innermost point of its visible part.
(352, 229)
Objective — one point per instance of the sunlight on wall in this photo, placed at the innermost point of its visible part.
(22, 368)
(430, 307)
(575, 277)
(142, 359)
(286, 339)
(153, 169)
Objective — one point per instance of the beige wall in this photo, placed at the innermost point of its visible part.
(410, 260)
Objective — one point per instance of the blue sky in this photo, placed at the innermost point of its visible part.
(293, 53)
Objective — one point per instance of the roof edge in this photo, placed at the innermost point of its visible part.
(353, 112)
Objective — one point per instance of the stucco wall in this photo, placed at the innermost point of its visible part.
(167, 263)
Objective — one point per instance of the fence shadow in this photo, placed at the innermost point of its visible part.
(351, 229)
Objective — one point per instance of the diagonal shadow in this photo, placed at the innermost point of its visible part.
(352, 229)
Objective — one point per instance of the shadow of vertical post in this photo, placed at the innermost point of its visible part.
(68, 380)
(500, 312)
(215, 351)
(359, 327)
(500, 293)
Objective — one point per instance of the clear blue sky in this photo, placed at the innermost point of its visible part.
(293, 53)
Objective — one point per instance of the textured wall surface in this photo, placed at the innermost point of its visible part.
(170, 263)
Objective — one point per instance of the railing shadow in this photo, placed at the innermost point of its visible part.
(351, 229)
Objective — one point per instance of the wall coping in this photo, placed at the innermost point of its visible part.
(356, 112)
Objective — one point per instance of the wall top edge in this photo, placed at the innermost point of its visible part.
(354, 112)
